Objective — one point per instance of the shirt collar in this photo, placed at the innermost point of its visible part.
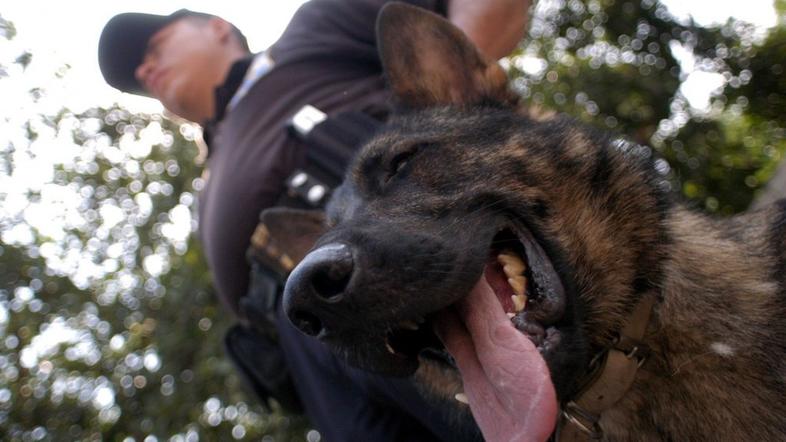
(226, 91)
(223, 94)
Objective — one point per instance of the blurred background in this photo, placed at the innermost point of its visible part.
(109, 329)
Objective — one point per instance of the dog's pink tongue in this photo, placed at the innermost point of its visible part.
(505, 379)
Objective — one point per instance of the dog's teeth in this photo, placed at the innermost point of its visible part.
(513, 270)
(508, 257)
(512, 265)
(511, 315)
(518, 284)
(390, 349)
(461, 397)
(519, 302)
(409, 325)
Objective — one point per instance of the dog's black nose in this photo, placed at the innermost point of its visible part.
(317, 285)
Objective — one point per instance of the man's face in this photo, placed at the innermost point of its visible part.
(180, 69)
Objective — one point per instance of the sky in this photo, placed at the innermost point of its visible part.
(707, 12)
(60, 33)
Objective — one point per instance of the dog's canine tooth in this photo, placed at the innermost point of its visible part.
(519, 302)
(409, 325)
(509, 257)
(511, 315)
(461, 397)
(513, 270)
(512, 265)
(518, 284)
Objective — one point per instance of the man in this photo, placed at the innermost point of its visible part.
(200, 68)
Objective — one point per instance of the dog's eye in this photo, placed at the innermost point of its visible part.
(401, 159)
(398, 162)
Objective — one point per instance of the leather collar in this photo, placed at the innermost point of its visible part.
(611, 374)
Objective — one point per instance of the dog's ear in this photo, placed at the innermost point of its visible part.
(429, 61)
(284, 236)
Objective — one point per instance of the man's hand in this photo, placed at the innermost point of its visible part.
(495, 26)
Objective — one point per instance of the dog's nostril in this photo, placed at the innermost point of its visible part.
(330, 280)
(329, 284)
(307, 323)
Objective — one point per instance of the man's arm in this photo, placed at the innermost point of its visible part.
(494, 26)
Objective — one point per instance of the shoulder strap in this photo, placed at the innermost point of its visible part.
(331, 141)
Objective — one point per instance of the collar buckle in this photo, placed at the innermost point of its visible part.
(583, 420)
(632, 348)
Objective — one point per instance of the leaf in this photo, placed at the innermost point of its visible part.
(7, 29)
(24, 59)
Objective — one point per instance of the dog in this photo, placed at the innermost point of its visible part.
(655, 322)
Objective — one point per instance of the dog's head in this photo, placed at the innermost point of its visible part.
(562, 222)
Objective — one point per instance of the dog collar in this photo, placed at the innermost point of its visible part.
(611, 374)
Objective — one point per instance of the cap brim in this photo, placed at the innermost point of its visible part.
(122, 46)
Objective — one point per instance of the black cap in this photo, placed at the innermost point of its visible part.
(123, 42)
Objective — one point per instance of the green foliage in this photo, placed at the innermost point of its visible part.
(766, 96)
(7, 32)
(612, 63)
(7, 29)
(109, 325)
(24, 59)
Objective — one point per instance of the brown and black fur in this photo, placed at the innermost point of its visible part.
(425, 198)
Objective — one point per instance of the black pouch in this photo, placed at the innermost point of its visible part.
(260, 361)
(253, 344)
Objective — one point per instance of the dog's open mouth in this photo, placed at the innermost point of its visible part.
(525, 284)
